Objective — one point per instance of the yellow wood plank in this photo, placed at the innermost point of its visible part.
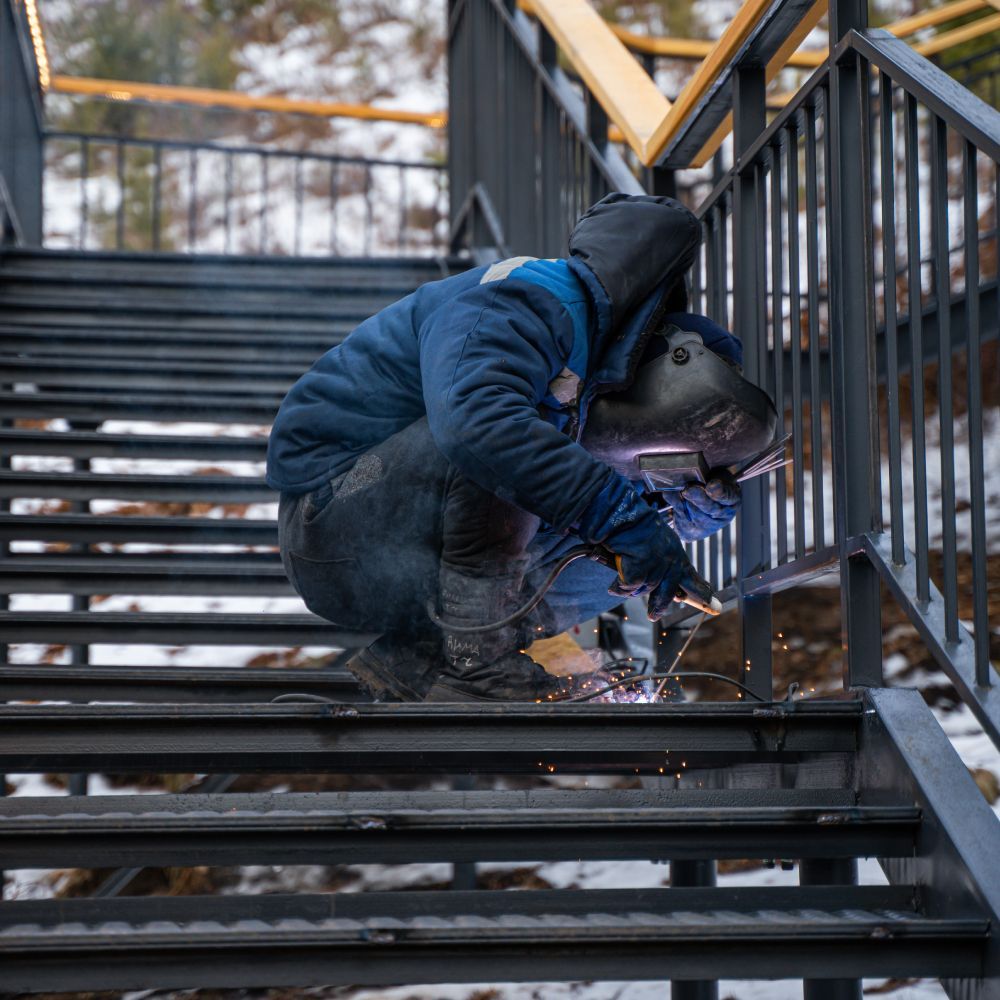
(698, 48)
(937, 15)
(778, 62)
(697, 86)
(128, 90)
(610, 72)
(958, 36)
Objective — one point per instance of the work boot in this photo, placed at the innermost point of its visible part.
(514, 677)
(398, 668)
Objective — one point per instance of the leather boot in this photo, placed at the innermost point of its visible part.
(398, 668)
(491, 665)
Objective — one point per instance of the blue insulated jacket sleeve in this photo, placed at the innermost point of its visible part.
(487, 359)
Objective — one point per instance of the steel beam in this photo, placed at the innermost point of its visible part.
(538, 739)
(404, 827)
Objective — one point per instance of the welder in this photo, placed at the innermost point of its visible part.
(432, 473)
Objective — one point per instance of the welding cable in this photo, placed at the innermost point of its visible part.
(677, 658)
(623, 682)
(655, 677)
(578, 553)
(304, 696)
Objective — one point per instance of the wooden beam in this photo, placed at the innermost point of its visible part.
(698, 48)
(130, 90)
(609, 71)
(778, 62)
(958, 36)
(722, 53)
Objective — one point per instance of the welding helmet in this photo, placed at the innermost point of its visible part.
(689, 410)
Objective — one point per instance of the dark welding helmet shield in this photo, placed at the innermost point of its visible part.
(687, 411)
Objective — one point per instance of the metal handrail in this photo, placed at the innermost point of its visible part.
(780, 197)
(391, 205)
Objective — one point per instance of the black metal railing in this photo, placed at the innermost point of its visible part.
(528, 154)
(20, 131)
(853, 244)
(127, 193)
(871, 326)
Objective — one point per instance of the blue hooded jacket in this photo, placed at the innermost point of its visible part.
(503, 360)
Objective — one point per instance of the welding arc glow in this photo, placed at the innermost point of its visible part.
(38, 42)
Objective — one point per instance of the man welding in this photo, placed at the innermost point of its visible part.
(432, 473)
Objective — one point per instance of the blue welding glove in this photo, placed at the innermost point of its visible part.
(646, 551)
(700, 511)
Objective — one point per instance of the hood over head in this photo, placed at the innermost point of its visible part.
(636, 249)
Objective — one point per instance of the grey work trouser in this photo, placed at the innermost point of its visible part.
(364, 550)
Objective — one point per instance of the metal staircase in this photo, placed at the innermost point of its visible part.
(194, 352)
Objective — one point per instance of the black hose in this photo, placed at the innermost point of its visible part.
(578, 553)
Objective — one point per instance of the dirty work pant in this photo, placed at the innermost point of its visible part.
(364, 550)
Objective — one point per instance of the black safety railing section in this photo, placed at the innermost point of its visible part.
(871, 326)
(127, 193)
(528, 154)
(20, 130)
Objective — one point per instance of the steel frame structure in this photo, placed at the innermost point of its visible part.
(95, 337)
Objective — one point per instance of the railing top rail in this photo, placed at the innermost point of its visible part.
(218, 147)
(133, 90)
(622, 87)
(968, 115)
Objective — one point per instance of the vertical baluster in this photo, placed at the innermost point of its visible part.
(368, 210)
(911, 149)
(263, 204)
(795, 333)
(401, 241)
(815, 359)
(778, 343)
(334, 197)
(157, 194)
(946, 415)
(192, 198)
(888, 178)
(298, 205)
(227, 199)
(84, 202)
(977, 482)
(120, 210)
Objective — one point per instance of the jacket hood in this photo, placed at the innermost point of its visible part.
(632, 252)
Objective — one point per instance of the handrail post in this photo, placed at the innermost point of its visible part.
(754, 547)
(20, 132)
(852, 348)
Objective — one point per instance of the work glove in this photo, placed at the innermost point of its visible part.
(700, 511)
(646, 551)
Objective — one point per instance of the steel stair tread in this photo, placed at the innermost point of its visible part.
(139, 486)
(420, 738)
(387, 827)
(177, 628)
(201, 685)
(94, 444)
(380, 938)
(179, 529)
(99, 406)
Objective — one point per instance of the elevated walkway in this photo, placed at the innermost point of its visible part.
(136, 390)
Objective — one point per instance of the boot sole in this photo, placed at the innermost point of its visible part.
(380, 683)
(442, 693)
